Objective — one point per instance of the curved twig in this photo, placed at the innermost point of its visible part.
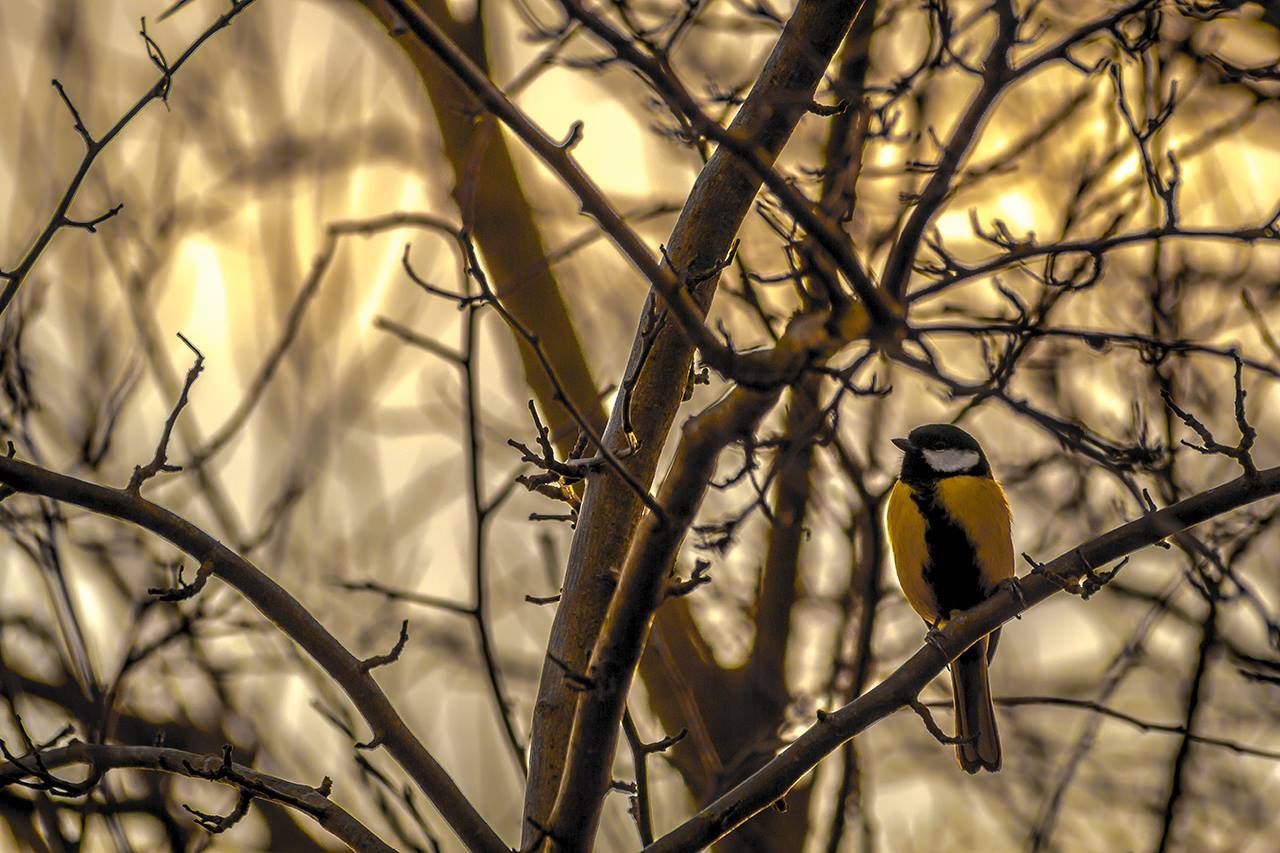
(314, 802)
(293, 619)
(772, 781)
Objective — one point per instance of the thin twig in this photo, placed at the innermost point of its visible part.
(95, 146)
(160, 462)
(34, 771)
(292, 618)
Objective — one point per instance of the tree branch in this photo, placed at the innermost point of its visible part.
(773, 780)
(292, 618)
(714, 211)
(642, 586)
(314, 802)
(93, 147)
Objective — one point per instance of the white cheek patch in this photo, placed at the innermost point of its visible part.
(951, 461)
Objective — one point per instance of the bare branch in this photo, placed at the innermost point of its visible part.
(391, 656)
(160, 462)
(94, 146)
(292, 618)
(772, 781)
(314, 802)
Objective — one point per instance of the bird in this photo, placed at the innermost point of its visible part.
(950, 531)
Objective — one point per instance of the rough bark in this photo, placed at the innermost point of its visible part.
(712, 215)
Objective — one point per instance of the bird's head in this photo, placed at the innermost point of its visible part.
(934, 451)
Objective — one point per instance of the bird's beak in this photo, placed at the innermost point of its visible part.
(902, 444)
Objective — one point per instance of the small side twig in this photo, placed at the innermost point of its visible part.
(700, 575)
(1241, 451)
(391, 656)
(160, 462)
(922, 711)
(214, 824)
(182, 590)
(576, 680)
(156, 55)
(640, 752)
(91, 225)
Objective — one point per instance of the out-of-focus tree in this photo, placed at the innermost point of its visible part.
(401, 507)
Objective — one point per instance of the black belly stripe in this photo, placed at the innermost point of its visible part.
(951, 569)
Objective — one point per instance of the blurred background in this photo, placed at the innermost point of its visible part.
(329, 436)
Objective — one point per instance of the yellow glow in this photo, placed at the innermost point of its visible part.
(352, 463)
(1259, 165)
(206, 318)
(887, 155)
(1017, 212)
(954, 226)
(1127, 167)
(614, 148)
(386, 271)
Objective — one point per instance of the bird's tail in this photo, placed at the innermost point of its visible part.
(979, 748)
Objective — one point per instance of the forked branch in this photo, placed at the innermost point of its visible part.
(771, 782)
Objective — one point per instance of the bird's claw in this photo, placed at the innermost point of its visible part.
(934, 638)
(1014, 586)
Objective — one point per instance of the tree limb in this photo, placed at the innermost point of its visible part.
(773, 780)
(291, 617)
(314, 802)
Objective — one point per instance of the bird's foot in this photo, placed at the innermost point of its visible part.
(1015, 587)
(934, 638)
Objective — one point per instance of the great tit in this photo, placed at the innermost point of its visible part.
(948, 524)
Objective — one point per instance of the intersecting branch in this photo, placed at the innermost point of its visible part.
(293, 619)
(95, 146)
(899, 689)
(35, 769)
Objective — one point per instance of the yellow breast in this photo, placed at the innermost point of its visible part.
(978, 505)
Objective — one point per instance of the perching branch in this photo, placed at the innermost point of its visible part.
(773, 780)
